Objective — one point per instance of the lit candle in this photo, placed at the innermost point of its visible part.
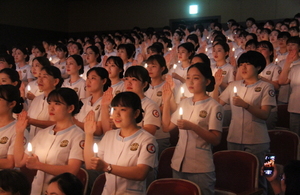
(207, 37)
(233, 49)
(146, 65)
(182, 91)
(111, 112)
(50, 59)
(169, 49)
(276, 60)
(95, 149)
(174, 66)
(28, 88)
(180, 112)
(81, 75)
(235, 91)
(205, 49)
(29, 148)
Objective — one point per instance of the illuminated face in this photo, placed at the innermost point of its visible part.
(123, 116)
(284, 28)
(36, 68)
(54, 189)
(293, 47)
(46, 82)
(183, 54)
(4, 64)
(123, 54)
(91, 57)
(282, 42)
(74, 50)
(155, 70)
(5, 80)
(19, 56)
(248, 71)
(59, 110)
(219, 53)
(38, 53)
(253, 28)
(72, 67)
(196, 60)
(273, 36)
(94, 83)
(195, 81)
(134, 85)
(112, 69)
(265, 51)
(61, 54)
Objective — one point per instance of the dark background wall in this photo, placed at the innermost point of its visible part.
(27, 21)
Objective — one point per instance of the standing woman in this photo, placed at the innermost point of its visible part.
(115, 69)
(38, 115)
(250, 106)
(56, 149)
(21, 58)
(93, 59)
(167, 49)
(97, 83)
(75, 69)
(200, 127)
(127, 154)
(10, 102)
(37, 64)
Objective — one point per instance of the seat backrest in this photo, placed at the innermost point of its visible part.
(98, 185)
(236, 171)
(172, 186)
(285, 145)
(82, 175)
(283, 116)
(29, 173)
(164, 164)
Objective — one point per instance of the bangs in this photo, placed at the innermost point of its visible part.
(127, 99)
(133, 72)
(121, 101)
(54, 96)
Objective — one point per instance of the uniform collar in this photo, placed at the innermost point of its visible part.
(51, 132)
(119, 138)
(8, 125)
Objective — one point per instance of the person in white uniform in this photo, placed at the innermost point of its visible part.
(251, 106)
(74, 68)
(126, 52)
(290, 75)
(21, 57)
(49, 79)
(56, 149)
(10, 102)
(127, 154)
(96, 84)
(62, 53)
(93, 59)
(200, 127)
(32, 90)
(115, 68)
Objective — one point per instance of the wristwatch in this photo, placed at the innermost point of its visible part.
(109, 168)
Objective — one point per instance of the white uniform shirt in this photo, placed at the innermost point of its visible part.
(181, 72)
(117, 88)
(139, 148)
(155, 93)
(25, 72)
(61, 66)
(7, 139)
(38, 110)
(295, 89)
(228, 72)
(126, 66)
(245, 128)
(193, 154)
(281, 56)
(78, 87)
(271, 72)
(34, 88)
(152, 116)
(55, 149)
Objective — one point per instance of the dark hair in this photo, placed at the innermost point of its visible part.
(194, 38)
(253, 36)
(68, 183)
(79, 46)
(41, 49)
(251, 19)
(103, 74)
(102, 47)
(166, 40)
(293, 40)
(24, 51)
(270, 22)
(160, 60)
(55, 73)
(13, 75)
(224, 45)
(254, 58)
(14, 181)
(203, 57)
(268, 45)
(189, 47)
(65, 95)
(118, 62)
(130, 100)
(42, 60)
(140, 73)
(283, 34)
(111, 41)
(251, 42)
(9, 59)
(95, 49)
(155, 48)
(129, 50)
(79, 61)
(294, 28)
(205, 70)
(11, 93)
(62, 47)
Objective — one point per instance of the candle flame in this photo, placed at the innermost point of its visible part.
(182, 90)
(174, 66)
(29, 147)
(95, 148)
(234, 89)
(28, 87)
(180, 111)
(146, 65)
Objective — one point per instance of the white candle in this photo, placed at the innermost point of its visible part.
(81, 75)
(28, 88)
(276, 60)
(95, 149)
(180, 112)
(29, 148)
(169, 49)
(146, 65)
(233, 49)
(50, 59)
(174, 66)
(182, 91)
(205, 49)
(235, 91)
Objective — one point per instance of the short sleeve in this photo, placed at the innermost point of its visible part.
(152, 115)
(216, 118)
(268, 98)
(225, 95)
(76, 151)
(148, 152)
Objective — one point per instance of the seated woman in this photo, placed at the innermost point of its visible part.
(127, 154)
(56, 149)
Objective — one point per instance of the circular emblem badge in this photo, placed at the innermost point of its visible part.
(219, 116)
(155, 113)
(203, 114)
(64, 143)
(134, 146)
(151, 148)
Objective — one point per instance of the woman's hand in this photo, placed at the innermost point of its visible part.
(170, 81)
(292, 56)
(185, 124)
(90, 123)
(167, 92)
(219, 77)
(239, 102)
(98, 164)
(33, 162)
(107, 97)
(30, 95)
(22, 122)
